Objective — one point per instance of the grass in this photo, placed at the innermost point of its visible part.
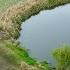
(14, 55)
(62, 56)
(5, 4)
(14, 16)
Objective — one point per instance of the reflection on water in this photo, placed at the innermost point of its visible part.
(46, 31)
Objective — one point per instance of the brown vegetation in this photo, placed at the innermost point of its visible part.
(12, 18)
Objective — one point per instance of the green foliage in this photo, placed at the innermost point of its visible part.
(14, 53)
(45, 65)
(62, 55)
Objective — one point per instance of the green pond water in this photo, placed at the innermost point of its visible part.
(48, 30)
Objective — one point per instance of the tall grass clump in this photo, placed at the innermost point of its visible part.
(62, 56)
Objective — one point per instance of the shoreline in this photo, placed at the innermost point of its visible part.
(12, 19)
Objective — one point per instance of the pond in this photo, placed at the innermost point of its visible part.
(48, 30)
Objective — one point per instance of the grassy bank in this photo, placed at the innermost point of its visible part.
(14, 16)
(14, 55)
(15, 50)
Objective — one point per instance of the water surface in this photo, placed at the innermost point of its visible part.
(46, 31)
